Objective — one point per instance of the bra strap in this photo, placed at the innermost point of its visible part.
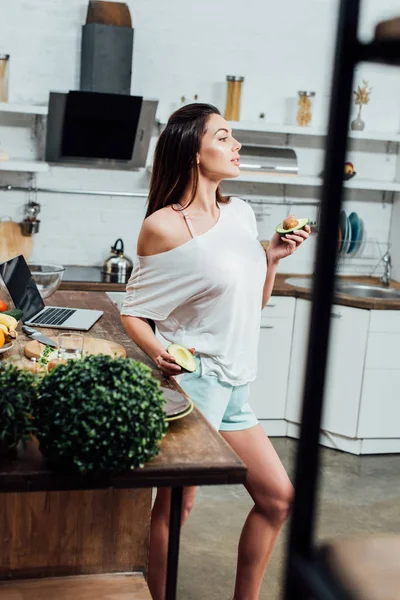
(187, 219)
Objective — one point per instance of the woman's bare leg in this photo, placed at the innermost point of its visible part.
(270, 488)
(158, 553)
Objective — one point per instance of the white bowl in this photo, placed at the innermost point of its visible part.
(47, 277)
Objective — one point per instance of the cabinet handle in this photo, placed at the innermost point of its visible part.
(267, 326)
(336, 315)
(270, 305)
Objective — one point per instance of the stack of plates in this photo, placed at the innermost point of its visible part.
(350, 235)
(177, 405)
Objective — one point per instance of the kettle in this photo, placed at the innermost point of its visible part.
(118, 267)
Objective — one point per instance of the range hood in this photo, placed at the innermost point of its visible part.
(99, 129)
(102, 124)
(277, 160)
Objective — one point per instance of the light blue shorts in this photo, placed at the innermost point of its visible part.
(225, 406)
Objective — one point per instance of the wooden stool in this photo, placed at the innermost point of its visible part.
(367, 567)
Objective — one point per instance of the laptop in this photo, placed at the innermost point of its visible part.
(26, 296)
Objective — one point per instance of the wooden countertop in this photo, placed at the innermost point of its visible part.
(281, 288)
(192, 452)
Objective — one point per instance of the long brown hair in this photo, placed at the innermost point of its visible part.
(175, 163)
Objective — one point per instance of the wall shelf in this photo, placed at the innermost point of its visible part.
(355, 183)
(24, 109)
(27, 166)
(384, 136)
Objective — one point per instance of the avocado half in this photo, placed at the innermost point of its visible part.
(290, 225)
(184, 358)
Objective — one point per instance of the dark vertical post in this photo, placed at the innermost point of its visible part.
(306, 479)
(173, 542)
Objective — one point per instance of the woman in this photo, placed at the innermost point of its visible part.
(203, 278)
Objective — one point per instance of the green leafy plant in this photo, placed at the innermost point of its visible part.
(17, 394)
(100, 414)
(44, 358)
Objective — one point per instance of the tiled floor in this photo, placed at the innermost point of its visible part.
(358, 495)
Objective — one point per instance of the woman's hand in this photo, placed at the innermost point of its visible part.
(283, 246)
(167, 363)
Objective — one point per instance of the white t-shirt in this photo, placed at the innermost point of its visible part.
(207, 294)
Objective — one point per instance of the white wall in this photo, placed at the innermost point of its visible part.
(187, 48)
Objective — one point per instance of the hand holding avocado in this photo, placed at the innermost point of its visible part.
(176, 359)
(288, 236)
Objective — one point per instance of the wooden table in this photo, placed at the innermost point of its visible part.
(192, 452)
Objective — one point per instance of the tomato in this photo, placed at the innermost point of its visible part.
(3, 306)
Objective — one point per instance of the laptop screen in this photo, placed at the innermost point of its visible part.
(21, 287)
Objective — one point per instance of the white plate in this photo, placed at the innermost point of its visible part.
(6, 347)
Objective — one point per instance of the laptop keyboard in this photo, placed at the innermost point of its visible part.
(53, 316)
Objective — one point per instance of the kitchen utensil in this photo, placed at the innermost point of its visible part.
(70, 345)
(6, 347)
(39, 336)
(118, 266)
(109, 13)
(233, 94)
(355, 232)
(4, 74)
(34, 349)
(12, 241)
(46, 277)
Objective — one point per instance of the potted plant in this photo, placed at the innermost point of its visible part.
(100, 414)
(17, 393)
(361, 96)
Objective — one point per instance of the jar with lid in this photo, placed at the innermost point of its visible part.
(4, 68)
(304, 108)
(233, 97)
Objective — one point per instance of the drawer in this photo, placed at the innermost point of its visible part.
(385, 320)
(279, 306)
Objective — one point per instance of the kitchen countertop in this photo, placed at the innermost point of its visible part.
(87, 279)
(91, 279)
(282, 288)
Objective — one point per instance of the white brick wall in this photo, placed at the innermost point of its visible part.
(186, 48)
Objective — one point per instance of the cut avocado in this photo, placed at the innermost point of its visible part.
(290, 225)
(184, 358)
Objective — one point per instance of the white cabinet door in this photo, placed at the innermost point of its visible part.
(380, 406)
(347, 347)
(117, 298)
(268, 391)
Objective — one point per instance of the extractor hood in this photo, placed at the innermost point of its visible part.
(278, 160)
(99, 129)
(102, 124)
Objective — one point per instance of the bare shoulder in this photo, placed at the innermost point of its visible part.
(158, 232)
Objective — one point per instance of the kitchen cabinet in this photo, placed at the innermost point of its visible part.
(380, 407)
(268, 391)
(346, 355)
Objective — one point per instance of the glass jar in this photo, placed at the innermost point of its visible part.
(233, 97)
(304, 108)
(4, 68)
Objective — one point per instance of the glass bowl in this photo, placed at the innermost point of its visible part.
(47, 277)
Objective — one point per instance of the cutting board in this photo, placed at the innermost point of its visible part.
(34, 349)
(109, 13)
(12, 242)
